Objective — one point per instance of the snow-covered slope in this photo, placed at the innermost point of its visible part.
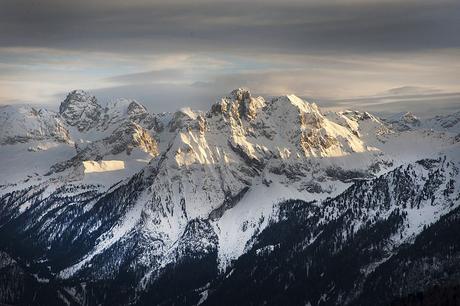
(335, 251)
(124, 139)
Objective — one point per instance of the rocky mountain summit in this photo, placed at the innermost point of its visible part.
(161, 208)
(81, 110)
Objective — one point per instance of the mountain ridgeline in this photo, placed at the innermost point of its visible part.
(254, 202)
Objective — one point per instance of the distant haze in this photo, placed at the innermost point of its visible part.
(385, 56)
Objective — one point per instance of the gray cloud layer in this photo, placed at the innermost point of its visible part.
(288, 26)
(190, 51)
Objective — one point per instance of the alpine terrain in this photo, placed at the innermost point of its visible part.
(254, 202)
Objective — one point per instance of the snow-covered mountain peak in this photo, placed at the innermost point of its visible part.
(83, 111)
(450, 122)
(127, 107)
(188, 112)
(19, 124)
(135, 108)
(184, 117)
(295, 110)
(120, 110)
(404, 121)
(80, 109)
(302, 105)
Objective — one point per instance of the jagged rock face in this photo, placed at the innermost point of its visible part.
(24, 123)
(239, 105)
(244, 105)
(258, 128)
(81, 110)
(129, 136)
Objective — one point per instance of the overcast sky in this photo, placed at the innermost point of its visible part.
(378, 55)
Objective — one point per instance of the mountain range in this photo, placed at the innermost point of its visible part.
(253, 202)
